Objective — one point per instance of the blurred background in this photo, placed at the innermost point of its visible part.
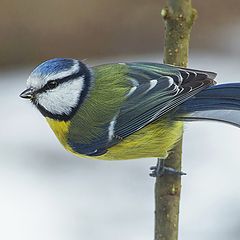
(46, 193)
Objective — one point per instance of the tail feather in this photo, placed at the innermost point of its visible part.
(218, 103)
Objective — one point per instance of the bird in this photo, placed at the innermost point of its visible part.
(127, 110)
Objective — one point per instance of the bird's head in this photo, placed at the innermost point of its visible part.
(58, 87)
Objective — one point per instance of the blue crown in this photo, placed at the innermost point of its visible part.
(53, 66)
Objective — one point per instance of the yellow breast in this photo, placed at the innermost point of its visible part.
(60, 128)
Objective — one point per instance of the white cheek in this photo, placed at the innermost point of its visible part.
(62, 99)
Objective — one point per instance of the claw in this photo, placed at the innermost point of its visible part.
(153, 168)
(152, 175)
(160, 170)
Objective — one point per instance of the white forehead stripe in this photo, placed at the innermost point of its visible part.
(74, 69)
(34, 82)
(63, 98)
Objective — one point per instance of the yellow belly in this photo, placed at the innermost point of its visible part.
(154, 140)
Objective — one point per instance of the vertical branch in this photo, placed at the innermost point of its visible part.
(178, 16)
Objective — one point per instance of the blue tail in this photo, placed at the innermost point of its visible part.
(219, 103)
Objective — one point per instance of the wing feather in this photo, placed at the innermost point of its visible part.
(172, 88)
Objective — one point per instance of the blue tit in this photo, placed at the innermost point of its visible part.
(126, 110)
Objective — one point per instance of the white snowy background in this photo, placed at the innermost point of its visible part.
(47, 193)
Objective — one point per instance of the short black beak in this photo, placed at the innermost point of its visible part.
(28, 93)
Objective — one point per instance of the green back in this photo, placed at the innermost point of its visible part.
(109, 89)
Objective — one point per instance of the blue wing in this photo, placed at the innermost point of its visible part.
(157, 89)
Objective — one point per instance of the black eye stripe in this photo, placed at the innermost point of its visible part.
(60, 81)
(48, 86)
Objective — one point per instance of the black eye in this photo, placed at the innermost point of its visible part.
(52, 84)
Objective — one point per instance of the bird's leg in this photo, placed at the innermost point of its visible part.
(160, 170)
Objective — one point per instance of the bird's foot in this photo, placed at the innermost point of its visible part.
(160, 170)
